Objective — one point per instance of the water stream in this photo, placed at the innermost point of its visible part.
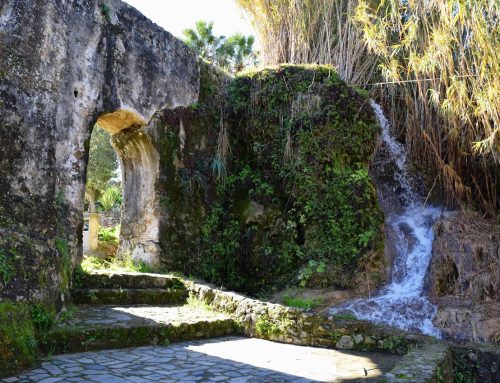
(408, 227)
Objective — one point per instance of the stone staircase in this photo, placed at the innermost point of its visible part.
(129, 310)
(129, 289)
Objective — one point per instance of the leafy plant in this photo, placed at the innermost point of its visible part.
(395, 344)
(266, 326)
(310, 270)
(41, 318)
(111, 198)
(6, 267)
(109, 235)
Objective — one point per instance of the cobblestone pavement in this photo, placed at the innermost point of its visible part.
(230, 359)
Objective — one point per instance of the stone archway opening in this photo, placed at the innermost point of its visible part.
(139, 164)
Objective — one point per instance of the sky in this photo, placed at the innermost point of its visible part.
(177, 15)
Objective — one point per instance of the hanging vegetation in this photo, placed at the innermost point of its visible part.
(439, 65)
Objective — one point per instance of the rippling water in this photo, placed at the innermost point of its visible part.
(402, 303)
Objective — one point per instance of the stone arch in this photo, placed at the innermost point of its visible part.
(140, 164)
(119, 63)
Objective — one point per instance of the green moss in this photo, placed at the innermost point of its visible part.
(18, 348)
(65, 265)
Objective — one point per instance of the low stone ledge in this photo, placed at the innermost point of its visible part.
(430, 363)
(290, 325)
(425, 360)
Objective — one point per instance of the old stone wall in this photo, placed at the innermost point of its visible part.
(106, 218)
(425, 360)
(63, 66)
(464, 277)
(265, 182)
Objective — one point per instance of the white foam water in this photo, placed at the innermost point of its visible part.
(402, 303)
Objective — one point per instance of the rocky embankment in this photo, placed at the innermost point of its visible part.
(464, 278)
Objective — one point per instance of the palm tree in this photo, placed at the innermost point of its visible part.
(232, 53)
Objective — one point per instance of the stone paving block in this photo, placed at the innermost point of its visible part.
(218, 360)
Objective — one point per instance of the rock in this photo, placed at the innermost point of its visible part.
(358, 338)
(464, 277)
(345, 343)
(253, 212)
(465, 255)
(368, 341)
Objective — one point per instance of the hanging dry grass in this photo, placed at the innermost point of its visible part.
(447, 104)
(441, 59)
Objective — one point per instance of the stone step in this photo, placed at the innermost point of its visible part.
(116, 280)
(106, 327)
(126, 296)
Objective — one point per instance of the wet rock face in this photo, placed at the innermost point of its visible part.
(63, 64)
(464, 277)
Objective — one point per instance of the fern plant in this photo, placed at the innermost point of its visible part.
(111, 198)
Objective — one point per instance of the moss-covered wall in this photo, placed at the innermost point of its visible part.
(265, 180)
(20, 323)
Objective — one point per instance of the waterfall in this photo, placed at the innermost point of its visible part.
(402, 303)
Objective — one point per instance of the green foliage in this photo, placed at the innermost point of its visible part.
(69, 313)
(336, 335)
(302, 303)
(395, 344)
(109, 235)
(65, 265)
(464, 369)
(111, 198)
(7, 266)
(102, 165)
(267, 327)
(42, 319)
(105, 9)
(18, 349)
(295, 197)
(123, 264)
(232, 53)
(311, 270)
(62, 246)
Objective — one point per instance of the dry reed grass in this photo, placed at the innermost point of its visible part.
(442, 60)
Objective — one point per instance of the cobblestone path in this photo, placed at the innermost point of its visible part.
(230, 359)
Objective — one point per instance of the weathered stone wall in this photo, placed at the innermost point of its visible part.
(425, 360)
(464, 277)
(285, 324)
(264, 182)
(63, 65)
(106, 218)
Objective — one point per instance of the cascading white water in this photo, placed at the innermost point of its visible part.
(402, 303)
